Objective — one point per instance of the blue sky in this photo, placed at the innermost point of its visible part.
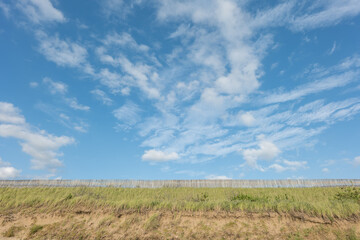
(212, 89)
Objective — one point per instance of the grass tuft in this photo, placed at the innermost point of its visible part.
(35, 228)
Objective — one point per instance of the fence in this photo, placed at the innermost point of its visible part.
(292, 183)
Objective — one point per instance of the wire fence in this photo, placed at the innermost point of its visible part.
(289, 183)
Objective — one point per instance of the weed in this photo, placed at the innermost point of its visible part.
(35, 228)
(68, 197)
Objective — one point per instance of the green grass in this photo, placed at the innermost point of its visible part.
(35, 228)
(330, 202)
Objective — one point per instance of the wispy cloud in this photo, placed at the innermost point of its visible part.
(5, 9)
(40, 145)
(55, 87)
(61, 52)
(288, 165)
(332, 50)
(327, 13)
(40, 11)
(124, 40)
(73, 103)
(334, 81)
(61, 116)
(102, 96)
(60, 88)
(128, 114)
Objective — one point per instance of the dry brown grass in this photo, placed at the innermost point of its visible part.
(165, 224)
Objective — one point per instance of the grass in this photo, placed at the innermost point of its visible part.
(35, 228)
(330, 202)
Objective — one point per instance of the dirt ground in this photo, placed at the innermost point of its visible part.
(126, 224)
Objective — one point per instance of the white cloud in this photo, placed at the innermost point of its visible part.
(41, 146)
(73, 103)
(137, 74)
(267, 151)
(325, 170)
(39, 11)
(55, 87)
(124, 40)
(159, 156)
(228, 40)
(118, 8)
(288, 165)
(8, 172)
(33, 84)
(141, 73)
(10, 114)
(64, 116)
(356, 161)
(111, 80)
(81, 127)
(217, 177)
(247, 119)
(102, 96)
(128, 114)
(61, 52)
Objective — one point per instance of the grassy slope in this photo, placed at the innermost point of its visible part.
(329, 202)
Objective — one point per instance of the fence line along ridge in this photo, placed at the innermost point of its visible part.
(288, 183)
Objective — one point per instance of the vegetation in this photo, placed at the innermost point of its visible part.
(35, 228)
(330, 202)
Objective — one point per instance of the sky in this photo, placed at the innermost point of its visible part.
(169, 89)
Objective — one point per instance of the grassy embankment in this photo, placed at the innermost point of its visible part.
(329, 202)
(179, 213)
